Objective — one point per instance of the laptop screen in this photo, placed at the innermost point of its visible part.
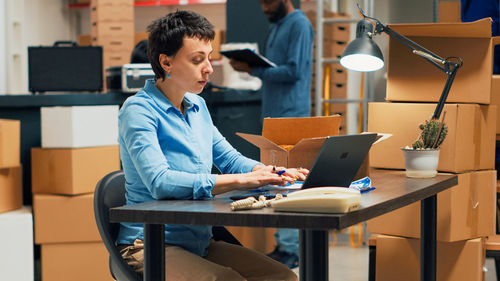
(339, 160)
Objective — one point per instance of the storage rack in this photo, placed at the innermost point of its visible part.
(319, 101)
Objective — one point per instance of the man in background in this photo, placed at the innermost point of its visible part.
(286, 88)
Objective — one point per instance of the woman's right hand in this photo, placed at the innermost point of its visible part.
(261, 176)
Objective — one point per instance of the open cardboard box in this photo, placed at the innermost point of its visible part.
(296, 142)
(411, 78)
(293, 142)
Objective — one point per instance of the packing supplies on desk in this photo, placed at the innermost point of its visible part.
(464, 211)
(10, 143)
(469, 145)
(79, 126)
(62, 219)
(71, 171)
(11, 189)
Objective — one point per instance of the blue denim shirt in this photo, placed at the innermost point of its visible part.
(286, 89)
(168, 155)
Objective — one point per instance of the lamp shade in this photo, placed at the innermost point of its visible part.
(362, 54)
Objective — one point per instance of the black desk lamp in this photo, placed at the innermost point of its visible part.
(363, 54)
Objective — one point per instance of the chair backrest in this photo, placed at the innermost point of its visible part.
(109, 193)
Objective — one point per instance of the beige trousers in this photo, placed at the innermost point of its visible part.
(224, 262)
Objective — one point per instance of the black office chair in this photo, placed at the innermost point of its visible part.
(109, 193)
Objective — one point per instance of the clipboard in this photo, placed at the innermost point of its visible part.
(249, 56)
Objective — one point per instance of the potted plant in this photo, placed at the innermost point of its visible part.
(422, 158)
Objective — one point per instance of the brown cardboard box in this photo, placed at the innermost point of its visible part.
(257, 238)
(10, 143)
(139, 36)
(464, 211)
(122, 29)
(449, 11)
(61, 218)
(11, 189)
(495, 97)
(305, 134)
(114, 58)
(339, 74)
(75, 261)
(84, 40)
(71, 170)
(111, 2)
(470, 144)
(399, 259)
(411, 78)
(218, 40)
(112, 12)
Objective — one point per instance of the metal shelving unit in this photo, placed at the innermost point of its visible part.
(321, 61)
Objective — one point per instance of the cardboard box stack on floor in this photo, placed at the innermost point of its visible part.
(336, 37)
(112, 27)
(466, 212)
(16, 222)
(285, 142)
(79, 147)
(11, 190)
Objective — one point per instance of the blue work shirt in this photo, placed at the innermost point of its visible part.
(166, 154)
(286, 89)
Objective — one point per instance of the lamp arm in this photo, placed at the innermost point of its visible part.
(414, 47)
(444, 95)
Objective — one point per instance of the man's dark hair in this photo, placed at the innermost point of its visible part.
(166, 35)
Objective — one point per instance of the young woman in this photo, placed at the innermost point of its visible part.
(168, 145)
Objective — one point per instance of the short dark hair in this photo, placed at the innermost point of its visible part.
(166, 35)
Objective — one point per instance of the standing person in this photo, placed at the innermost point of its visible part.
(168, 144)
(286, 88)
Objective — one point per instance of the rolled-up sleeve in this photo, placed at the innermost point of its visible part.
(228, 159)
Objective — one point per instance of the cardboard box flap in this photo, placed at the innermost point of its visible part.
(259, 141)
(476, 29)
(292, 130)
(495, 40)
(307, 144)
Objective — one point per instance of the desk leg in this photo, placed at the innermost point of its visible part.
(313, 255)
(154, 252)
(428, 220)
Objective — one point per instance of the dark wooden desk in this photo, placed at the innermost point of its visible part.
(393, 191)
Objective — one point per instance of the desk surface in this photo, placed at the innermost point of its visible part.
(393, 190)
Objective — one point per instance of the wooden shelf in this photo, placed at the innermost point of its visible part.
(157, 3)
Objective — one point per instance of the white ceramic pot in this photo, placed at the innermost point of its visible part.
(421, 163)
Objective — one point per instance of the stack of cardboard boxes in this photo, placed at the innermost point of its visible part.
(16, 222)
(336, 36)
(466, 212)
(79, 147)
(112, 27)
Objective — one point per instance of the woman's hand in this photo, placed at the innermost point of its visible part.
(259, 176)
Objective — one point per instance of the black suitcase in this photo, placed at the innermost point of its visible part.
(65, 67)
